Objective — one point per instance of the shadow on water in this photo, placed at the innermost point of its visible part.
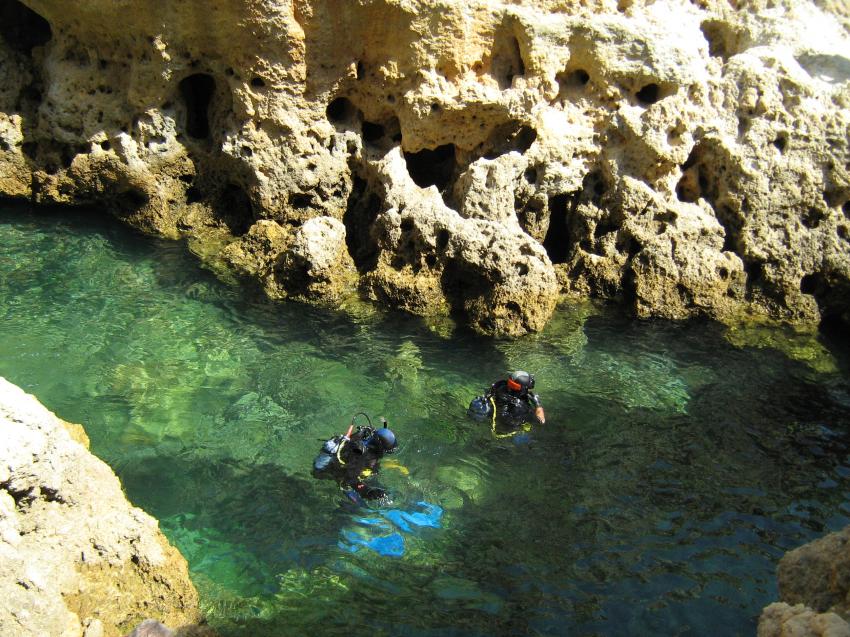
(674, 470)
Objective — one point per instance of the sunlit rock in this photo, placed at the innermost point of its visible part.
(684, 158)
(783, 620)
(77, 557)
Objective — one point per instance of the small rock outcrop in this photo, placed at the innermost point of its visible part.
(472, 157)
(814, 586)
(76, 559)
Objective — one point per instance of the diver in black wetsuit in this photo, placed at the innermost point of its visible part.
(509, 403)
(354, 458)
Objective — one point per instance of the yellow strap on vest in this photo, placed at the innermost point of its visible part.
(339, 451)
(525, 426)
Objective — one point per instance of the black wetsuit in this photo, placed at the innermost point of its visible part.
(351, 464)
(513, 408)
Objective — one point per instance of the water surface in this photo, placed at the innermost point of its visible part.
(679, 461)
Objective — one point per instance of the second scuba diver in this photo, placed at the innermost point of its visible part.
(509, 403)
(353, 460)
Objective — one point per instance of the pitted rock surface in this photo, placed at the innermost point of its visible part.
(686, 158)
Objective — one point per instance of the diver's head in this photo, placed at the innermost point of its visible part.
(383, 439)
(520, 381)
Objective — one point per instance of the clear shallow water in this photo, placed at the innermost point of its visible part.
(675, 469)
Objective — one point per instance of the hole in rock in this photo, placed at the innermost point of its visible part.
(258, 82)
(571, 82)
(300, 200)
(812, 218)
(432, 167)
(557, 242)
(755, 271)
(577, 78)
(511, 136)
(234, 208)
(341, 111)
(197, 92)
(442, 241)
(649, 94)
(21, 27)
(460, 283)
(359, 217)
(811, 283)
(131, 200)
(372, 132)
(781, 142)
(507, 61)
(593, 186)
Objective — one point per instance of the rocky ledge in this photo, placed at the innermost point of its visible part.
(472, 157)
(76, 559)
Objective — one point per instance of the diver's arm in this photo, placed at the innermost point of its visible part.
(538, 408)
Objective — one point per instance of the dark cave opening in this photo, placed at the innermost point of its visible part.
(557, 240)
(432, 167)
(372, 132)
(341, 111)
(233, 207)
(21, 27)
(197, 92)
(649, 94)
(461, 283)
(511, 136)
(360, 213)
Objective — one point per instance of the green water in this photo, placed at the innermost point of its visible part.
(674, 470)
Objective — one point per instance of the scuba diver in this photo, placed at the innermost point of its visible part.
(509, 403)
(351, 459)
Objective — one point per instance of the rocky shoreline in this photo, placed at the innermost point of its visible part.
(478, 159)
(78, 560)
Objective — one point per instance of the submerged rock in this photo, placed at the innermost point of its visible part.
(77, 558)
(468, 158)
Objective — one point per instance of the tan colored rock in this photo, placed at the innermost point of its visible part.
(686, 158)
(317, 266)
(817, 574)
(75, 557)
(782, 620)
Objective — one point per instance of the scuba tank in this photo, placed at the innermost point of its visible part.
(480, 409)
(333, 446)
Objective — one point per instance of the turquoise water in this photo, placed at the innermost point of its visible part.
(678, 463)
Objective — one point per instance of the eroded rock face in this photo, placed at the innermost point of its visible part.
(75, 557)
(482, 157)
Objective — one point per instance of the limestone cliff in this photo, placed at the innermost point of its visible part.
(475, 157)
(76, 559)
